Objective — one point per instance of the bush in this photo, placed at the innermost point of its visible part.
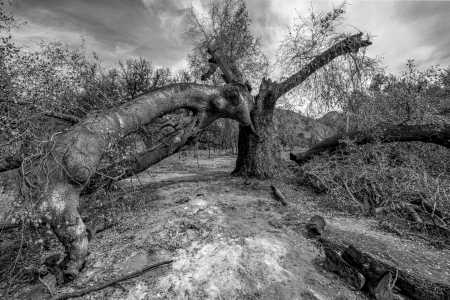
(386, 180)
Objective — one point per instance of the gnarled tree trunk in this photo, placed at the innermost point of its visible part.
(71, 159)
(258, 156)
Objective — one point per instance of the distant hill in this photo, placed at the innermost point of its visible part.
(333, 119)
(297, 130)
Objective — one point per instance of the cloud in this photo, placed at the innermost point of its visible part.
(114, 29)
(154, 29)
(430, 22)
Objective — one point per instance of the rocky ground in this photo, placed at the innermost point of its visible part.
(229, 239)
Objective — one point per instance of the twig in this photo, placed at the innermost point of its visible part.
(353, 197)
(61, 116)
(277, 195)
(8, 226)
(413, 213)
(101, 286)
(50, 289)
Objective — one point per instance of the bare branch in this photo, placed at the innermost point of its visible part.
(61, 116)
(348, 45)
(106, 284)
(435, 134)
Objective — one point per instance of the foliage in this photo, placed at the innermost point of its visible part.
(390, 178)
(226, 26)
(331, 86)
(380, 180)
(414, 97)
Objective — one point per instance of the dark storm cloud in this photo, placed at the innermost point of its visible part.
(117, 29)
(114, 29)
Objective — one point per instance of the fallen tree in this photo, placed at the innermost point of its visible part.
(370, 273)
(350, 263)
(181, 134)
(69, 162)
(436, 134)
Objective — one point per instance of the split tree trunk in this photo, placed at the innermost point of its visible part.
(259, 156)
(436, 134)
(182, 134)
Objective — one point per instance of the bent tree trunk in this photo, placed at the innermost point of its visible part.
(259, 156)
(182, 134)
(436, 134)
(55, 180)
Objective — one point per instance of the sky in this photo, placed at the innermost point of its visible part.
(154, 29)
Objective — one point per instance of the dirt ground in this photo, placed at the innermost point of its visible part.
(229, 239)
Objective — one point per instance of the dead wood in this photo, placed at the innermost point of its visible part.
(350, 44)
(334, 263)
(315, 226)
(374, 270)
(73, 158)
(383, 290)
(104, 285)
(436, 134)
(61, 116)
(278, 195)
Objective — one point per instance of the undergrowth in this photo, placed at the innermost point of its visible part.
(407, 186)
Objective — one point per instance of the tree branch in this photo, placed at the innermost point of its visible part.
(126, 168)
(106, 284)
(61, 116)
(231, 74)
(436, 134)
(350, 44)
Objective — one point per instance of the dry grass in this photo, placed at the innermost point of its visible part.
(405, 184)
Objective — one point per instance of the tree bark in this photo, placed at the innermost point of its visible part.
(258, 156)
(436, 134)
(415, 286)
(169, 144)
(55, 180)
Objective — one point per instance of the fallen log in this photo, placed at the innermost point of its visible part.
(436, 134)
(374, 271)
(336, 264)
